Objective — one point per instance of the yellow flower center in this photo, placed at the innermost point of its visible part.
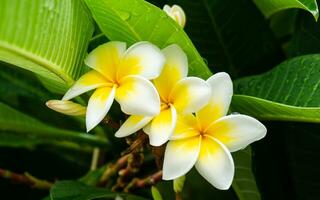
(164, 106)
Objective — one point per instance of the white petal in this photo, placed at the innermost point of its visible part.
(237, 131)
(137, 96)
(190, 94)
(175, 69)
(132, 125)
(176, 13)
(215, 163)
(221, 95)
(142, 58)
(179, 15)
(167, 9)
(180, 156)
(161, 127)
(106, 58)
(88, 81)
(98, 106)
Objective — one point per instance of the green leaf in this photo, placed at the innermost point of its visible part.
(136, 20)
(223, 36)
(19, 127)
(270, 110)
(155, 193)
(47, 37)
(66, 190)
(303, 153)
(306, 36)
(269, 7)
(290, 92)
(244, 182)
(93, 177)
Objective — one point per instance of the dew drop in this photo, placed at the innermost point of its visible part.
(124, 15)
(49, 4)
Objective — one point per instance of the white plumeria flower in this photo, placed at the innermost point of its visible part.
(122, 75)
(67, 107)
(178, 94)
(207, 138)
(176, 13)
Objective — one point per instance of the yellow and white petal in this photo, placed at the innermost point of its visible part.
(106, 58)
(132, 125)
(138, 96)
(87, 82)
(98, 106)
(221, 95)
(186, 127)
(215, 163)
(142, 58)
(175, 68)
(161, 127)
(180, 156)
(190, 94)
(237, 131)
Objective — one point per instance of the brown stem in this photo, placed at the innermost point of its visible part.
(158, 153)
(113, 169)
(111, 123)
(178, 196)
(26, 179)
(137, 143)
(141, 183)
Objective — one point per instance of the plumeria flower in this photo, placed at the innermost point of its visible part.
(67, 107)
(207, 138)
(178, 94)
(176, 13)
(122, 75)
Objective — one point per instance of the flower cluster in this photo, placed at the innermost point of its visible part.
(152, 87)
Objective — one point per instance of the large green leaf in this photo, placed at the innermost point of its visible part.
(270, 110)
(269, 7)
(47, 37)
(244, 182)
(16, 126)
(289, 92)
(306, 36)
(231, 35)
(67, 190)
(136, 20)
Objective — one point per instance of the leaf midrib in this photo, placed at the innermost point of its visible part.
(55, 69)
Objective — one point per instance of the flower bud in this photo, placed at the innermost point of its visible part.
(176, 13)
(66, 107)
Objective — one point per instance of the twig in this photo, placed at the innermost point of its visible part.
(113, 169)
(178, 196)
(158, 153)
(95, 159)
(141, 183)
(137, 143)
(111, 123)
(26, 179)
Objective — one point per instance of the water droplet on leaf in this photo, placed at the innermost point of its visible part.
(124, 15)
